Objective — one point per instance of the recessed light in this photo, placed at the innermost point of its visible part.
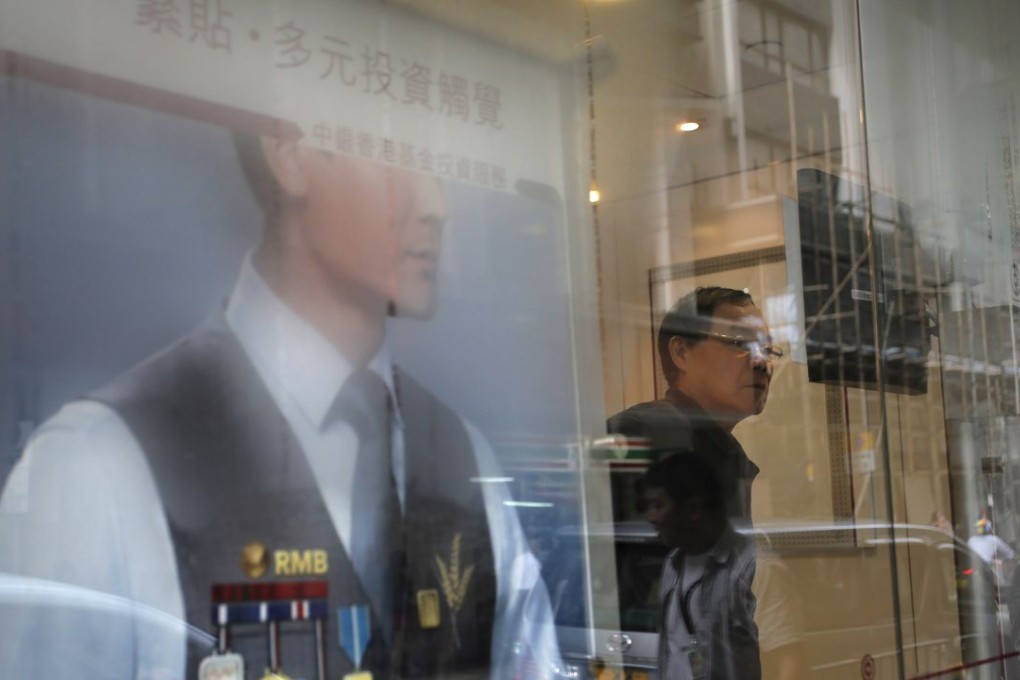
(687, 126)
(593, 194)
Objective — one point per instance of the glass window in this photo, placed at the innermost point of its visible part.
(517, 340)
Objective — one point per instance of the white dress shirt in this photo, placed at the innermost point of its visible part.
(81, 509)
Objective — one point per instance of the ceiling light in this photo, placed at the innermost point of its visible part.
(687, 126)
(593, 194)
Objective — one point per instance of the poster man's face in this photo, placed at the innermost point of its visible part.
(374, 230)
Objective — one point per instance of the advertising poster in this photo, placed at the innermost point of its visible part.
(204, 204)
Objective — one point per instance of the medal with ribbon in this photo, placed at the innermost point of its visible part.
(355, 634)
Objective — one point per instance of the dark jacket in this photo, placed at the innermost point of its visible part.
(677, 423)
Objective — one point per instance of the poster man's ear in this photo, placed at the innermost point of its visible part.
(286, 161)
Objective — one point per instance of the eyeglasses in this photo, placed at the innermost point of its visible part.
(747, 346)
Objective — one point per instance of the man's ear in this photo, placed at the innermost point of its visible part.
(679, 352)
(286, 162)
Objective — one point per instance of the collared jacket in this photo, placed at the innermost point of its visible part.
(723, 613)
(677, 423)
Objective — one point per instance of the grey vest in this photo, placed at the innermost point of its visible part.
(230, 472)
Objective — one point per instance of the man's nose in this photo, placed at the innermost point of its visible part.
(759, 357)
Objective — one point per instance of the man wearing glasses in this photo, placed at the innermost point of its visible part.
(717, 358)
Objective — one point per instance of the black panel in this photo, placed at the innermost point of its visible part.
(840, 298)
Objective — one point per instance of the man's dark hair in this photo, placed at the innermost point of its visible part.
(690, 317)
(687, 474)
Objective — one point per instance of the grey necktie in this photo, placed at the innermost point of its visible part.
(377, 541)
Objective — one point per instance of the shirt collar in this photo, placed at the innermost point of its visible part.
(289, 353)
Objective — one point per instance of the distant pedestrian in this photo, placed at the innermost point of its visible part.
(993, 550)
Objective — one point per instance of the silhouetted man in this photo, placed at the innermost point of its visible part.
(707, 629)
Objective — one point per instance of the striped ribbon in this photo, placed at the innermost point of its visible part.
(224, 614)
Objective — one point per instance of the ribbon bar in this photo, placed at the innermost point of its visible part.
(262, 612)
(263, 592)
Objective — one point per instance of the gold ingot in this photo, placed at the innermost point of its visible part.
(428, 608)
(254, 559)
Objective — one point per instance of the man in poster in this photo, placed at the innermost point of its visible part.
(278, 445)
